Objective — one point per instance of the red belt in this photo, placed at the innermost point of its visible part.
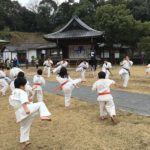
(105, 93)
(59, 87)
(37, 84)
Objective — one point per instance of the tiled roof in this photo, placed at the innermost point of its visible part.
(75, 28)
(28, 46)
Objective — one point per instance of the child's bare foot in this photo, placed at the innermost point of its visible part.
(45, 118)
(77, 86)
(103, 118)
(67, 107)
(2, 94)
(24, 145)
(114, 121)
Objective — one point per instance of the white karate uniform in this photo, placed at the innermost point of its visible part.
(67, 88)
(82, 69)
(47, 67)
(14, 72)
(124, 71)
(28, 88)
(60, 65)
(3, 83)
(16, 100)
(148, 68)
(105, 68)
(38, 82)
(106, 102)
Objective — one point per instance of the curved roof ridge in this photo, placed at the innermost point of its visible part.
(63, 32)
(70, 21)
(84, 24)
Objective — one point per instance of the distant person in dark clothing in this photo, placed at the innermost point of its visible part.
(18, 64)
(7, 63)
(27, 63)
(14, 62)
(142, 59)
(37, 63)
(93, 61)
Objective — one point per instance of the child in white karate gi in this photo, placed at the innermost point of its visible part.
(106, 68)
(26, 111)
(59, 65)
(48, 66)
(105, 99)
(28, 88)
(14, 72)
(125, 70)
(38, 82)
(3, 82)
(67, 85)
(148, 69)
(83, 66)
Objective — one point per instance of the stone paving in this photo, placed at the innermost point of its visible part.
(132, 102)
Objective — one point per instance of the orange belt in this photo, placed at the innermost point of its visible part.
(59, 87)
(105, 93)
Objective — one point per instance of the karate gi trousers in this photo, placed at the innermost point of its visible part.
(67, 89)
(57, 69)
(25, 124)
(45, 68)
(106, 105)
(38, 94)
(4, 86)
(106, 72)
(125, 77)
(82, 72)
(148, 70)
(48, 71)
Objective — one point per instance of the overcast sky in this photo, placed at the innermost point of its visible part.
(25, 2)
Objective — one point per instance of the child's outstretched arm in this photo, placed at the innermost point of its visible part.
(26, 109)
(94, 87)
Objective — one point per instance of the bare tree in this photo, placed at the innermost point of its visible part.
(33, 5)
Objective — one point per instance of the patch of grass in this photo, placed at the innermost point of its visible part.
(77, 128)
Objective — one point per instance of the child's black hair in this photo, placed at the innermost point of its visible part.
(63, 72)
(20, 82)
(39, 71)
(101, 75)
(20, 74)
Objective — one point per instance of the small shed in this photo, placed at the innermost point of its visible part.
(27, 50)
